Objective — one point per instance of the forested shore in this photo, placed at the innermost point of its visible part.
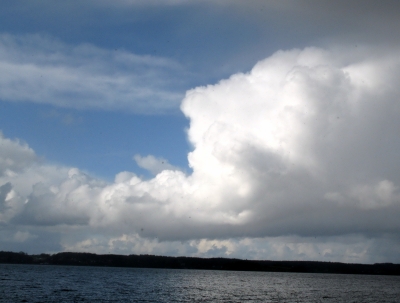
(151, 261)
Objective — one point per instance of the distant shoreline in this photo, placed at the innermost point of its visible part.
(151, 261)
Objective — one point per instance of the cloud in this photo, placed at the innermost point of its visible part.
(40, 69)
(153, 164)
(5, 190)
(295, 159)
(14, 156)
(299, 123)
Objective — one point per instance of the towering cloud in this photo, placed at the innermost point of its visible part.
(304, 145)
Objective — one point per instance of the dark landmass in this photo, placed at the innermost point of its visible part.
(150, 261)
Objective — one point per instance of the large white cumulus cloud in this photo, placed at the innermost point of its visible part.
(304, 146)
(306, 139)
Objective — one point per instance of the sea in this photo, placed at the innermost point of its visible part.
(49, 283)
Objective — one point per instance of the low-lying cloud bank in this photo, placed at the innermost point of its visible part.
(297, 159)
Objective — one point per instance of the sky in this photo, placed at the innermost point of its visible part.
(243, 129)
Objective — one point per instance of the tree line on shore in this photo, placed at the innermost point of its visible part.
(151, 261)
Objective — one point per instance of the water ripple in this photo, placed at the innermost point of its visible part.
(47, 283)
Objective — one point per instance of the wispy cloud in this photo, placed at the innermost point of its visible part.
(153, 164)
(40, 69)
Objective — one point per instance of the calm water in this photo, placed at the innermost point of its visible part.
(46, 283)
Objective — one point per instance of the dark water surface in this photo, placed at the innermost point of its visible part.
(48, 283)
